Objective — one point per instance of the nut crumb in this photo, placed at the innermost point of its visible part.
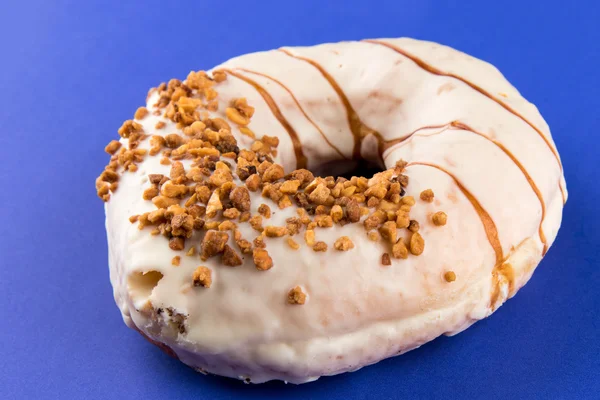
(213, 243)
(413, 226)
(292, 243)
(344, 243)
(450, 276)
(296, 296)
(141, 113)
(385, 259)
(176, 261)
(230, 257)
(417, 244)
(320, 246)
(262, 259)
(309, 237)
(112, 147)
(373, 236)
(264, 210)
(202, 276)
(399, 249)
(427, 195)
(275, 231)
(439, 218)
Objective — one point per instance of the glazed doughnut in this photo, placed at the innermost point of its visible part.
(240, 243)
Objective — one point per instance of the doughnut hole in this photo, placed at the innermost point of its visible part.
(141, 284)
(347, 168)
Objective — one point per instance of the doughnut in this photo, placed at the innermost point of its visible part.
(246, 240)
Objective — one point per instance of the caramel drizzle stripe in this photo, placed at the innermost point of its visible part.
(435, 71)
(488, 224)
(455, 125)
(358, 129)
(391, 143)
(297, 104)
(301, 160)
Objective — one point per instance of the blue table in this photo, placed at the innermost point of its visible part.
(72, 71)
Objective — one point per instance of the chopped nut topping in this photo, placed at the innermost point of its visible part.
(324, 221)
(290, 187)
(240, 198)
(413, 226)
(214, 204)
(177, 243)
(150, 193)
(450, 276)
(296, 296)
(399, 249)
(439, 218)
(373, 236)
(309, 237)
(202, 276)
(273, 173)
(353, 211)
(171, 190)
(230, 257)
(205, 196)
(275, 231)
(292, 243)
(253, 182)
(320, 246)
(213, 243)
(388, 231)
(320, 194)
(141, 113)
(231, 213)
(262, 259)
(176, 261)
(256, 223)
(264, 210)
(385, 259)
(112, 147)
(343, 244)
(375, 219)
(427, 195)
(417, 244)
(402, 219)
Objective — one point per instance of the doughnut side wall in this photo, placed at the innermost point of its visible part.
(467, 134)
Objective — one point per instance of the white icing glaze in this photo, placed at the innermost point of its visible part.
(358, 311)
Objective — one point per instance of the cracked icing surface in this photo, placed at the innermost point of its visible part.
(467, 134)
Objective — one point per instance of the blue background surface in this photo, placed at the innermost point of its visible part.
(72, 71)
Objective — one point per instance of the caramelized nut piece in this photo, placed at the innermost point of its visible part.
(343, 244)
(264, 210)
(450, 276)
(292, 243)
(427, 195)
(417, 244)
(399, 250)
(230, 257)
(202, 277)
(309, 237)
(296, 296)
(385, 259)
(262, 259)
(439, 218)
(413, 226)
(320, 246)
(388, 231)
(213, 243)
(275, 231)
